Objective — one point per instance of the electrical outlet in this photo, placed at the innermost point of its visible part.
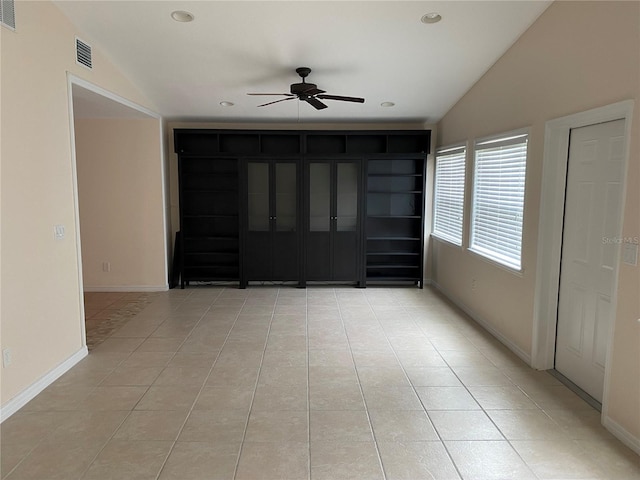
(473, 284)
(6, 357)
(106, 266)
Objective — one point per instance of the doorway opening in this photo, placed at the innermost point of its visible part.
(96, 117)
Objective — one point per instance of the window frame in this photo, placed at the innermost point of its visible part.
(485, 143)
(450, 149)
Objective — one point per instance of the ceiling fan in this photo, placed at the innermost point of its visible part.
(308, 92)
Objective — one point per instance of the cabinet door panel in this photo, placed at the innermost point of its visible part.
(319, 197)
(346, 197)
(286, 197)
(258, 196)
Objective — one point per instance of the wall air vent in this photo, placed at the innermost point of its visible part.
(8, 13)
(83, 54)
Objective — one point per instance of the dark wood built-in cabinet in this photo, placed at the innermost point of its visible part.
(333, 220)
(304, 206)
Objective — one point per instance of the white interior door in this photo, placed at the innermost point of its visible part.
(589, 253)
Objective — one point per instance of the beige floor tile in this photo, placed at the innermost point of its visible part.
(552, 459)
(502, 398)
(581, 424)
(122, 459)
(494, 460)
(335, 397)
(330, 358)
(464, 425)
(225, 398)
(345, 460)
(88, 427)
(324, 334)
(482, 376)
(132, 376)
(59, 398)
(382, 376)
(340, 426)
(161, 344)
(465, 358)
(268, 461)
(552, 397)
(446, 398)
(333, 376)
(420, 358)
(275, 398)
(278, 426)
(526, 425)
(168, 398)
(113, 398)
(152, 425)
(274, 358)
(194, 360)
(391, 398)
(223, 375)
(182, 376)
(57, 460)
(614, 460)
(432, 377)
(416, 460)
(283, 376)
(402, 426)
(147, 359)
(199, 461)
(217, 426)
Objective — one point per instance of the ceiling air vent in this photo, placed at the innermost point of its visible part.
(8, 13)
(83, 53)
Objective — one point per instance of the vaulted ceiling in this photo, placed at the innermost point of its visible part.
(378, 50)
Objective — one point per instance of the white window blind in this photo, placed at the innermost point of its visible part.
(498, 199)
(448, 202)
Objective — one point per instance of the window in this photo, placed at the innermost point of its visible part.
(498, 198)
(448, 202)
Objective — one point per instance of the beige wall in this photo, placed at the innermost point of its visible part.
(41, 317)
(577, 56)
(120, 192)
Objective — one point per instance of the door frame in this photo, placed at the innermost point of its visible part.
(551, 223)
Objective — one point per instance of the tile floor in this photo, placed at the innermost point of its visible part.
(321, 384)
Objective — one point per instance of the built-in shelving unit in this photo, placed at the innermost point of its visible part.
(381, 228)
(395, 215)
(209, 219)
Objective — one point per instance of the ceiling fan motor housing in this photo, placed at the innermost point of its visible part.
(302, 88)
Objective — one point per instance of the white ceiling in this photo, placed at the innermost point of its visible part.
(378, 50)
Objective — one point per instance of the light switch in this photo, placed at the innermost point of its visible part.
(630, 253)
(58, 232)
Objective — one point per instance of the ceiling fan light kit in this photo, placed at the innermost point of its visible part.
(308, 92)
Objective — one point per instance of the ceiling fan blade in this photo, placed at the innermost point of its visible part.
(280, 94)
(343, 99)
(315, 103)
(276, 101)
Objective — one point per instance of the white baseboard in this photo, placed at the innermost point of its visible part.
(622, 434)
(526, 357)
(29, 393)
(126, 288)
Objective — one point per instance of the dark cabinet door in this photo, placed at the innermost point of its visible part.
(333, 229)
(272, 220)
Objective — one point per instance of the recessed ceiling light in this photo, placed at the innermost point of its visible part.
(182, 16)
(432, 17)
(387, 104)
(227, 104)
